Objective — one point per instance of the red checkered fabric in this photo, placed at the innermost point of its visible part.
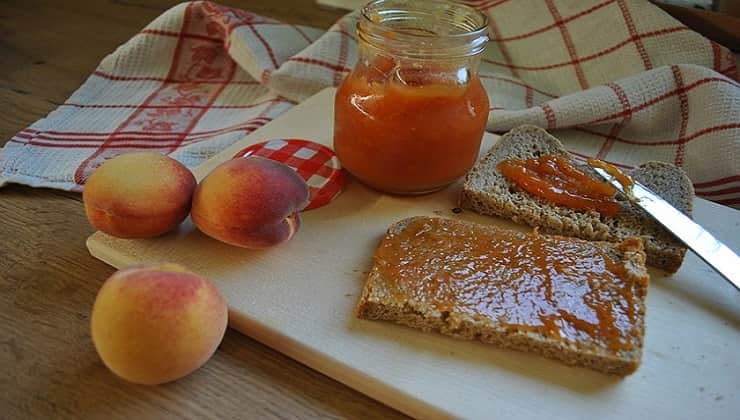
(315, 163)
(615, 79)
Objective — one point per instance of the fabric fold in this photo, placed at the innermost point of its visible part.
(615, 79)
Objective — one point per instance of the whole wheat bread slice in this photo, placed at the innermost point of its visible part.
(487, 191)
(433, 239)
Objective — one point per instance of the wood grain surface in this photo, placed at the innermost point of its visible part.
(48, 280)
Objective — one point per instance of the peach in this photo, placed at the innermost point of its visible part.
(138, 195)
(250, 202)
(157, 323)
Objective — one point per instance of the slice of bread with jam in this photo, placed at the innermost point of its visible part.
(487, 191)
(580, 302)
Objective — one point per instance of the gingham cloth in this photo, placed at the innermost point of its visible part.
(317, 164)
(615, 79)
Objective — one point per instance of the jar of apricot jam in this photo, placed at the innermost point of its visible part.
(410, 117)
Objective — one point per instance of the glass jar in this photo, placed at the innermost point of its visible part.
(410, 117)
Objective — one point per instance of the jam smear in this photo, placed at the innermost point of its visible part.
(553, 178)
(620, 176)
(565, 289)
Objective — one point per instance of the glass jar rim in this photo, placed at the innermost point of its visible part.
(466, 35)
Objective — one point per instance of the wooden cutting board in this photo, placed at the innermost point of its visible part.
(299, 297)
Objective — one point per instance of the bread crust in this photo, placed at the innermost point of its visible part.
(378, 303)
(488, 192)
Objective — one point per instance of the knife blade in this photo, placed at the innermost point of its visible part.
(718, 255)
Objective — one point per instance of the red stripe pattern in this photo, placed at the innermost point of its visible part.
(634, 36)
(568, 41)
(683, 100)
(615, 79)
(577, 61)
(614, 131)
(493, 25)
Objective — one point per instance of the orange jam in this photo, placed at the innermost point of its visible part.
(565, 289)
(612, 170)
(408, 132)
(553, 178)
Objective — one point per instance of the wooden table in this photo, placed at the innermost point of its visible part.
(48, 281)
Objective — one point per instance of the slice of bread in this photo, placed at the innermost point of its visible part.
(487, 191)
(573, 312)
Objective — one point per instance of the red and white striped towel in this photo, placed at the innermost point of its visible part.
(615, 79)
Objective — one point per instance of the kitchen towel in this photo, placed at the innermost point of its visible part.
(615, 79)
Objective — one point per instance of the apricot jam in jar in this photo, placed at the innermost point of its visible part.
(410, 117)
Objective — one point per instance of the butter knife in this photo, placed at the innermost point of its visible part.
(704, 244)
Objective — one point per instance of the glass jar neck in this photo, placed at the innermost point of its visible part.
(429, 29)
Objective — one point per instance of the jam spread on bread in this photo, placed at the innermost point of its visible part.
(553, 178)
(612, 170)
(565, 289)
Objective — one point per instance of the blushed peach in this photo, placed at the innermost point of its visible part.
(156, 323)
(138, 195)
(250, 202)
